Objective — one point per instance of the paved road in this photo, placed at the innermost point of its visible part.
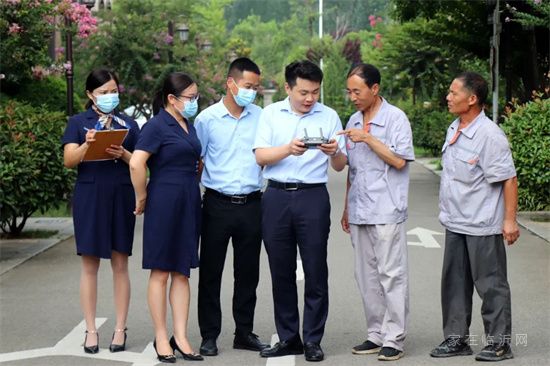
(41, 321)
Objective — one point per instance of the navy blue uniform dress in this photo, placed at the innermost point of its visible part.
(172, 209)
(103, 198)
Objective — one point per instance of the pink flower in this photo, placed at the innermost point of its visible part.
(379, 19)
(59, 51)
(68, 66)
(13, 2)
(371, 17)
(378, 36)
(373, 23)
(14, 28)
(168, 39)
(121, 88)
(537, 1)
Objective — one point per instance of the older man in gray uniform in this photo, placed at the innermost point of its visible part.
(379, 144)
(478, 201)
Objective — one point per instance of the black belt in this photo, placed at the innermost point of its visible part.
(292, 186)
(238, 199)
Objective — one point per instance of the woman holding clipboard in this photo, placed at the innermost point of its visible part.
(103, 201)
(169, 146)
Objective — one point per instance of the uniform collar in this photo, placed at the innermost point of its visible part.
(378, 120)
(471, 129)
(168, 118)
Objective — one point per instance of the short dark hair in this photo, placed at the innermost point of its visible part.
(304, 70)
(476, 85)
(369, 73)
(174, 84)
(240, 65)
(96, 78)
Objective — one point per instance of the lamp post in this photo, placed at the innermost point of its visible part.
(69, 74)
(183, 32)
(206, 45)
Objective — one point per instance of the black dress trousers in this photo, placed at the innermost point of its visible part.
(223, 220)
(298, 219)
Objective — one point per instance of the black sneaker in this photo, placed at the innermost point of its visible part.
(366, 348)
(389, 354)
(452, 346)
(495, 352)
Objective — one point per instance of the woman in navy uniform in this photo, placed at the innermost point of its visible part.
(169, 146)
(103, 202)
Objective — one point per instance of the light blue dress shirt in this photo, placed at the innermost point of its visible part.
(471, 197)
(279, 125)
(378, 194)
(229, 163)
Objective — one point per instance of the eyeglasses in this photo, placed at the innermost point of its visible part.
(192, 99)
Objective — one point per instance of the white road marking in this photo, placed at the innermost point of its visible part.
(71, 345)
(299, 270)
(426, 237)
(280, 361)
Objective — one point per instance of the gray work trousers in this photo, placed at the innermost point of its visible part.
(478, 261)
(381, 272)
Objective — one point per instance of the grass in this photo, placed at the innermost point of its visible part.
(420, 152)
(61, 211)
(30, 234)
(437, 163)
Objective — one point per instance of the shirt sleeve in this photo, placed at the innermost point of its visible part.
(201, 126)
(72, 133)
(150, 138)
(402, 143)
(496, 159)
(264, 132)
(336, 127)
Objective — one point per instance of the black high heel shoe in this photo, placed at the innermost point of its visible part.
(186, 356)
(91, 349)
(118, 347)
(164, 358)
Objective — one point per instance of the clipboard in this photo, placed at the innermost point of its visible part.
(103, 140)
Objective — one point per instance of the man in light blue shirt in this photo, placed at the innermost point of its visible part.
(231, 207)
(295, 141)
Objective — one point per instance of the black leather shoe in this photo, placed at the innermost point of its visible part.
(164, 358)
(283, 348)
(186, 356)
(208, 347)
(452, 346)
(91, 349)
(250, 342)
(118, 347)
(313, 352)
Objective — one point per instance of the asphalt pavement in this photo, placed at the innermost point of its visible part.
(41, 322)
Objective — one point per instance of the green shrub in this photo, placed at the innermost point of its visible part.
(51, 92)
(429, 126)
(528, 130)
(32, 175)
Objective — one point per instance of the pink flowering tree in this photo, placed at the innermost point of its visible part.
(25, 28)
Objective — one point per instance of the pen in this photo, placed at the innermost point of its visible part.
(86, 129)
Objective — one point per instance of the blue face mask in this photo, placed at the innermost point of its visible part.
(244, 97)
(190, 108)
(107, 102)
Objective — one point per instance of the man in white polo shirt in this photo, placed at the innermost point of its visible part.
(478, 202)
(296, 206)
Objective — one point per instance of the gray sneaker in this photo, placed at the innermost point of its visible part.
(495, 352)
(452, 346)
(366, 348)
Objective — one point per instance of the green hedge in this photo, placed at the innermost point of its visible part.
(50, 92)
(32, 175)
(429, 125)
(528, 130)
